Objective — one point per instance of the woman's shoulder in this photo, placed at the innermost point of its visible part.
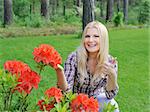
(72, 56)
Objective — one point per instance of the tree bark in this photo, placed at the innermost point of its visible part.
(125, 10)
(118, 6)
(8, 12)
(57, 3)
(101, 8)
(78, 3)
(53, 5)
(109, 14)
(64, 7)
(33, 6)
(44, 8)
(1, 10)
(88, 12)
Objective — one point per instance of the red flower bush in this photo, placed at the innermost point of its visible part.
(55, 93)
(25, 80)
(47, 55)
(42, 104)
(50, 94)
(28, 80)
(83, 103)
(93, 105)
(15, 67)
(23, 87)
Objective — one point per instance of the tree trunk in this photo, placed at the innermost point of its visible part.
(8, 12)
(125, 10)
(74, 2)
(78, 3)
(53, 6)
(102, 8)
(118, 6)
(57, 3)
(64, 7)
(109, 14)
(44, 8)
(1, 10)
(33, 6)
(88, 12)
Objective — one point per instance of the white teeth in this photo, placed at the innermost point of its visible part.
(92, 45)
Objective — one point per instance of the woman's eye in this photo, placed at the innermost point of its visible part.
(96, 36)
(87, 36)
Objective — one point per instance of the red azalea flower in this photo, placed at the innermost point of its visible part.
(47, 55)
(30, 76)
(48, 107)
(26, 87)
(54, 92)
(83, 103)
(93, 105)
(42, 105)
(79, 103)
(15, 67)
(27, 80)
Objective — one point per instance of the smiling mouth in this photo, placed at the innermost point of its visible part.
(91, 45)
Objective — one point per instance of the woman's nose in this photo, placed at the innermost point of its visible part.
(90, 38)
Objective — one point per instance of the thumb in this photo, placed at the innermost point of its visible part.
(59, 67)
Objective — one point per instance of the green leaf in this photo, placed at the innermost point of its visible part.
(109, 107)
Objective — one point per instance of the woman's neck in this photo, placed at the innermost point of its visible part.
(92, 56)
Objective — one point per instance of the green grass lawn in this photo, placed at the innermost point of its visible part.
(129, 46)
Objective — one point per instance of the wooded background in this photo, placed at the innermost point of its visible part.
(37, 13)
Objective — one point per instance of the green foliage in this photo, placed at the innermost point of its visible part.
(7, 83)
(21, 8)
(8, 79)
(144, 12)
(57, 18)
(118, 19)
(108, 107)
(132, 14)
(64, 105)
(1, 11)
(34, 21)
(71, 17)
(1, 23)
(23, 15)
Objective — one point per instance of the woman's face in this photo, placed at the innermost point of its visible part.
(92, 40)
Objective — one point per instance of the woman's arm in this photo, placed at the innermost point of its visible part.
(65, 77)
(112, 85)
(110, 69)
(61, 79)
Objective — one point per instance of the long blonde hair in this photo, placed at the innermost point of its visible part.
(102, 55)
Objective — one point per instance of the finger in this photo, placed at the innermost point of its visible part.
(59, 66)
(105, 71)
(104, 66)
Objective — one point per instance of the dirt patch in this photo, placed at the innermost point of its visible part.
(44, 31)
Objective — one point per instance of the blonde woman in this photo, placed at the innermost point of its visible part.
(90, 69)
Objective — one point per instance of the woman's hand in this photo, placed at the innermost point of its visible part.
(61, 79)
(109, 70)
(59, 67)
